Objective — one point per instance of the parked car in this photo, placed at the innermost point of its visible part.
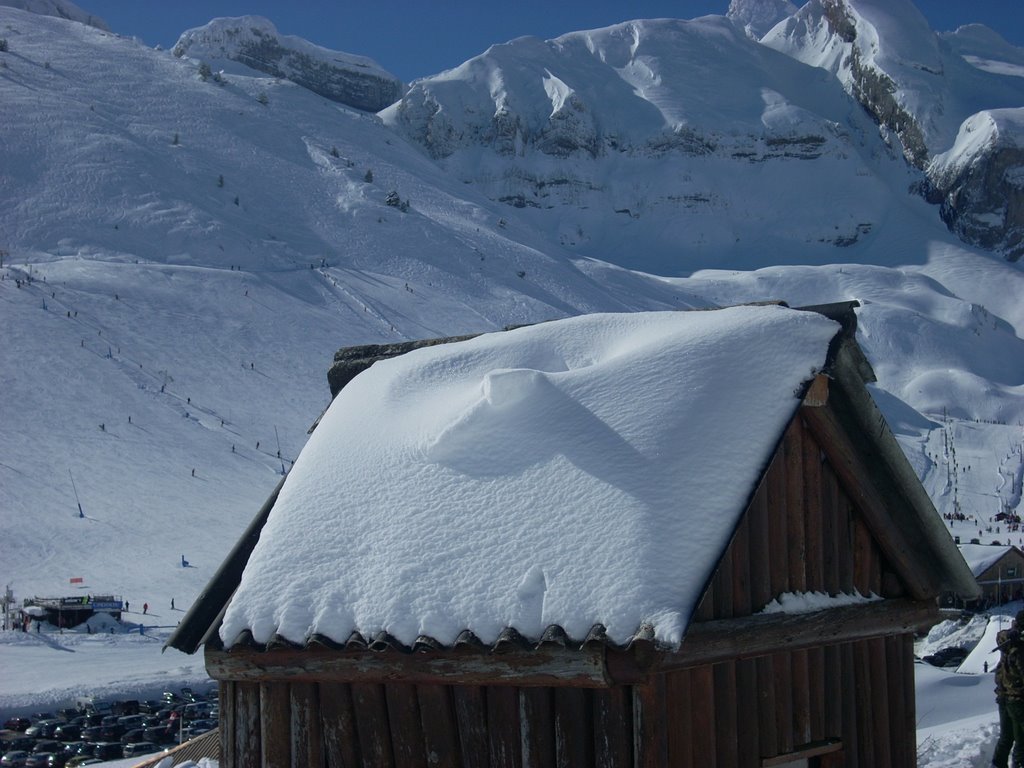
(68, 732)
(11, 741)
(14, 759)
(140, 748)
(42, 729)
(111, 732)
(160, 734)
(17, 723)
(126, 707)
(47, 745)
(58, 760)
(135, 734)
(108, 750)
(38, 760)
(131, 721)
(93, 733)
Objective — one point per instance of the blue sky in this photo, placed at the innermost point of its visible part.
(415, 38)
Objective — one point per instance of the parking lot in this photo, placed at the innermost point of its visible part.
(95, 730)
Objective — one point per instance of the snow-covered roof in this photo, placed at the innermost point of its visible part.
(981, 557)
(578, 472)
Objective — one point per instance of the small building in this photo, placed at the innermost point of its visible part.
(998, 570)
(66, 612)
(657, 539)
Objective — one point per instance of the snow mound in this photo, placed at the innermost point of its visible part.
(555, 474)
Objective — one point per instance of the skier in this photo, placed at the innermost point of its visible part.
(172, 603)
(145, 608)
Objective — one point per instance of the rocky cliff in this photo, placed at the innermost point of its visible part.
(253, 41)
(932, 94)
(980, 182)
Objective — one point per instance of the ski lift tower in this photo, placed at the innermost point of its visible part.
(8, 601)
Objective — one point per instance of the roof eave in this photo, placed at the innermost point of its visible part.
(949, 568)
(205, 615)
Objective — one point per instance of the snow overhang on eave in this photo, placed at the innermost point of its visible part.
(591, 665)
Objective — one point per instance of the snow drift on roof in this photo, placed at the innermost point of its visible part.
(981, 557)
(579, 472)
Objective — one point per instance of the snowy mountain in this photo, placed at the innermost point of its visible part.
(61, 9)
(926, 90)
(665, 146)
(253, 41)
(182, 253)
(757, 17)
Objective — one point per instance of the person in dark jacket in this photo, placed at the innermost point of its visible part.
(1012, 662)
(1001, 755)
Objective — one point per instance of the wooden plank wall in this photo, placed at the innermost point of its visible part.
(359, 725)
(801, 533)
(727, 715)
(742, 711)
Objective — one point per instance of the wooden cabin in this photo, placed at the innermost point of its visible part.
(998, 570)
(797, 652)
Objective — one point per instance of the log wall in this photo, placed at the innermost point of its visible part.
(848, 704)
(727, 715)
(802, 532)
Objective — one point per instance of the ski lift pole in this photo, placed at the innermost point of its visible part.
(79, 503)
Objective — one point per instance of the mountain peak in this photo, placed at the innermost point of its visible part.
(254, 41)
(756, 17)
(61, 9)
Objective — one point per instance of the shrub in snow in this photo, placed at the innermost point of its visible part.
(204, 71)
(3, 45)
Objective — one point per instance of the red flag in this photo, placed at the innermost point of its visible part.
(77, 579)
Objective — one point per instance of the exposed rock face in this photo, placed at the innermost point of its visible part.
(980, 182)
(832, 26)
(351, 80)
(756, 17)
(921, 91)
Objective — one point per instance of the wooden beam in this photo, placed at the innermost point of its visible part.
(753, 636)
(858, 482)
(817, 392)
(275, 725)
(803, 753)
(547, 666)
(705, 643)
